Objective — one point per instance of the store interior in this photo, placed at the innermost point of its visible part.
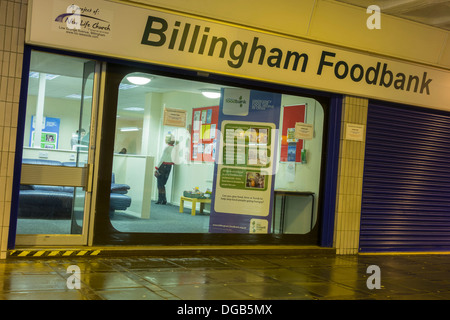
(139, 141)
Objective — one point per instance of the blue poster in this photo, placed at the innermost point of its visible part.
(49, 133)
(245, 165)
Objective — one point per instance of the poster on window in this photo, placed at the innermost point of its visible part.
(49, 133)
(244, 175)
(291, 147)
(204, 132)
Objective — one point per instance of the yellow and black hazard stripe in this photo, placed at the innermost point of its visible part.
(53, 253)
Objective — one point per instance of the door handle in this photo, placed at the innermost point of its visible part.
(90, 173)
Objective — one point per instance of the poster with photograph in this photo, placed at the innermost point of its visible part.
(195, 137)
(244, 175)
(204, 116)
(196, 121)
(49, 133)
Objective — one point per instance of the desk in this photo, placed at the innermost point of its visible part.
(286, 193)
(194, 204)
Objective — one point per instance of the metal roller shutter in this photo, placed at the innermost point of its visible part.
(406, 186)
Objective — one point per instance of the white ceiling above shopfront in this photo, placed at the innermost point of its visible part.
(434, 13)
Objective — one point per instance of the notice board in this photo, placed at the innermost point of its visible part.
(290, 147)
(204, 133)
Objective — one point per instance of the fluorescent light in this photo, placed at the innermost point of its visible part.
(133, 109)
(51, 76)
(77, 96)
(129, 129)
(140, 81)
(211, 93)
(34, 74)
(124, 86)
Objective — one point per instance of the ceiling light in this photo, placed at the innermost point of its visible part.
(77, 96)
(34, 74)
(133, 109)
(129, 129)
(140, 81)
(211, 93)
(125, 86)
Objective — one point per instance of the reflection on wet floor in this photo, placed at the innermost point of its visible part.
(241, 277)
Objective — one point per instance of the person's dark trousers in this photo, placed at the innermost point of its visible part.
(164, 171)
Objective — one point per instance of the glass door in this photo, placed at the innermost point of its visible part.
(58, 152)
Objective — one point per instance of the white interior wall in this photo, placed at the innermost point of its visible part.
(67, 110)
(307, 175)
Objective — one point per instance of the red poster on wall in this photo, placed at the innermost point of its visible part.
(204, 133)
(291, 148)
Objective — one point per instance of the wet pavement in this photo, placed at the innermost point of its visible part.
(237, 277)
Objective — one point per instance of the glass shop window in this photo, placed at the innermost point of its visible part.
(195, 157)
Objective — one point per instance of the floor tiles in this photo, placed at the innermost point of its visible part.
(227, 277)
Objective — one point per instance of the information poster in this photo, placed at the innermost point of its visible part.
(291, 147)
(204, 133)
(174, 117)
(244, 175)
(354, 132)
(49, 132)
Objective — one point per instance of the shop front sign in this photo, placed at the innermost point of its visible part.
(141, 34)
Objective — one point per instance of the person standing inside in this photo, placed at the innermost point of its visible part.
(163, 169)
(76, 139)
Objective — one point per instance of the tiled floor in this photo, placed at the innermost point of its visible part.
(242, 277)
